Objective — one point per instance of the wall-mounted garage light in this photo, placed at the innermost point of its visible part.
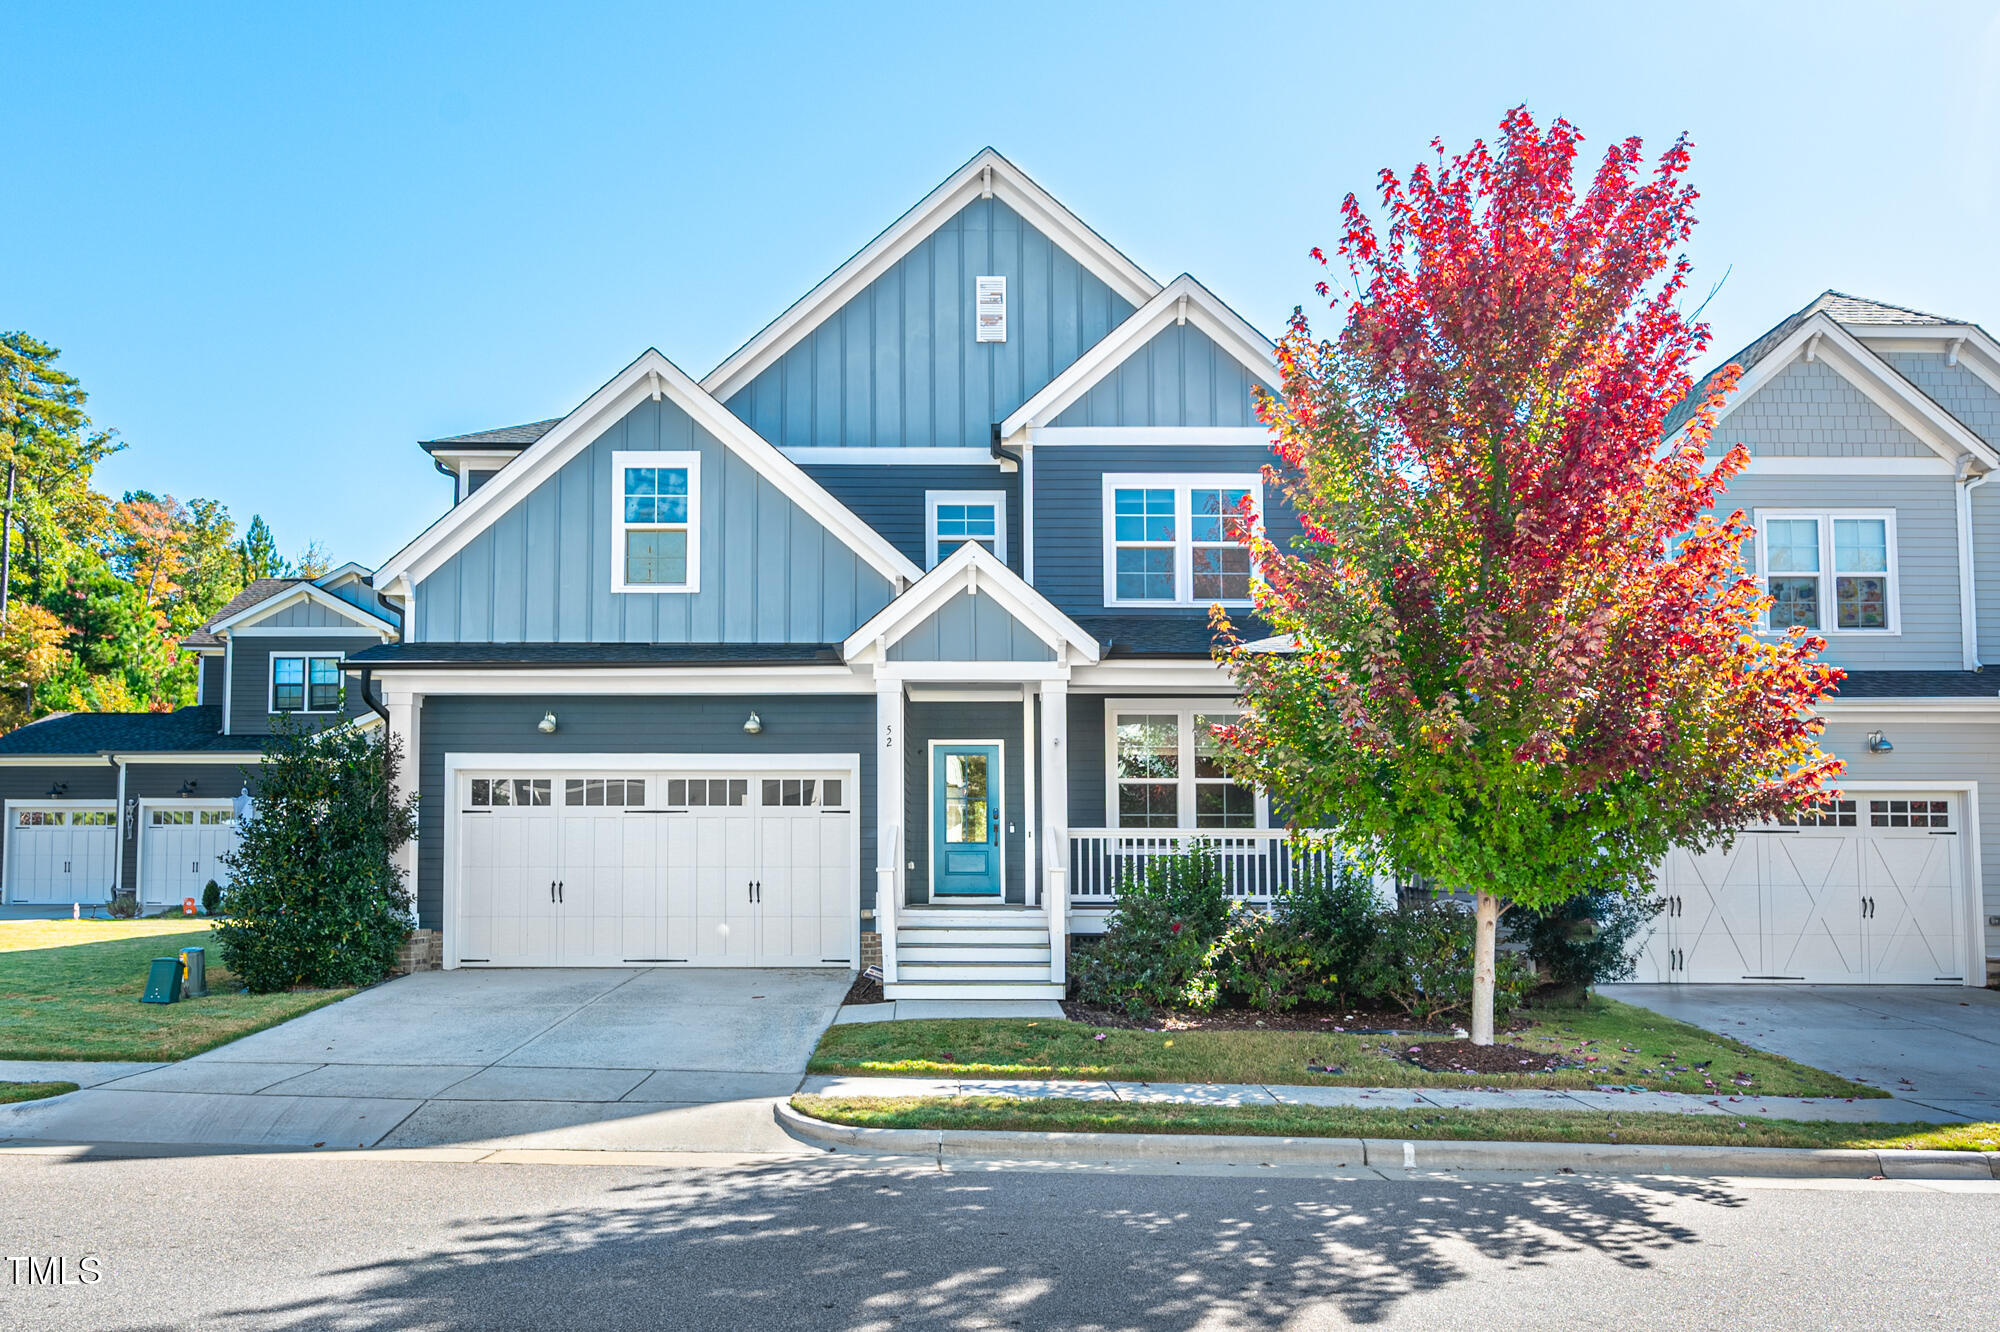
(547, 725)
(1878, 743)
(56, 790)
(187, 789)
(754, 725)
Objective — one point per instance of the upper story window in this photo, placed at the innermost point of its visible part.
(656, 522)
(954, 517)
(1166, 768)
(1832, 571)
(303, 682)
(1176, 540)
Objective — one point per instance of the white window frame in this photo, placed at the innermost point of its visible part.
(305, 660)
(934, 498)
(1828, 603)
(1182, 484)
(622, 459)
(1184, 710)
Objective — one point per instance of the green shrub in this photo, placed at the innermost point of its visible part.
(1268, 961)
(1422, 963)
(1332, 903)
(315, 898)
(1584, 941)
(211, 898)
(1171, 909)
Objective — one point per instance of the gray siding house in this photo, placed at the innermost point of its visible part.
(95, 803)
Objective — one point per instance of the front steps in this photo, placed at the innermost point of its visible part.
(992, 952)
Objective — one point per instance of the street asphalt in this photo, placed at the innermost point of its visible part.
(364, 1241)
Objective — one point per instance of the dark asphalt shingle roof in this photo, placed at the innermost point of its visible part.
(256, 590)
(184, 730)
(1160, 636)
(506, 437)
(438, 656)
(1919, 684)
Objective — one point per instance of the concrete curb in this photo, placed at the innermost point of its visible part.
(1386, 1153)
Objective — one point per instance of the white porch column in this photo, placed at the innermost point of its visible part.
(888, 817)
(405, 712)
(1055, 822)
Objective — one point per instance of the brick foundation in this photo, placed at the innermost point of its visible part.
(871, 949)
(422, 951)
(1993, 973)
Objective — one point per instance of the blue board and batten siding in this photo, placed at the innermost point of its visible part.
(898, 365)
(889, 497)
(1179, 378)
(541, 572)
(971, 627)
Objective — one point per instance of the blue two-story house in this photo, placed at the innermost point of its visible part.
(878, 643)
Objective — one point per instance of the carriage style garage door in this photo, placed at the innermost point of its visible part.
(1871, 891)
(59, 852)
(706, 869)
(181, 849)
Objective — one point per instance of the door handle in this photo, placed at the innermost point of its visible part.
(559, 890)
(552, 890)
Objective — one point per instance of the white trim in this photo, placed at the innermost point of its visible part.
(1788, 466)
(948, 694)
(1183, 300)
(228, 678)
(1184, 711)
(970, 566)
(306, 659)
(996, 794)
(146, 804)
(249, 757)
(622, 459)
(1829, 610)
(1152, 436)
(1181, 483)
(848, 764)
(1172, 675)
(647, 376)
(972, 672)
(1968, 590)
(818, 455)
(360, 571)
(1973, 347)
(987, 174)
(1028, 513)
(113, 758)
(933, 498)
(313, 631)
(636, 680)
(1966, 708)
(249, 615)
(7, 829)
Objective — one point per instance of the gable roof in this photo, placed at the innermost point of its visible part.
(970, 567)
(505, 437)
(301, 589)
(650, 375)
(1184, 300)
(987, 173)
(1815, 334)
(254, 591)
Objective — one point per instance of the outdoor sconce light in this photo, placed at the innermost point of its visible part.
(56, 789)
(754, 725)
(1878, 743)
(547, 725)
(187, 789)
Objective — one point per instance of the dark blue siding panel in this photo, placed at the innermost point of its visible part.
(606, 725)
(1086, 761)
(898, 364)
(1179, 378)
(250, 666)
(889, 497)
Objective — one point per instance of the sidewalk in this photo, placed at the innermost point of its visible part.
(1891, 1110)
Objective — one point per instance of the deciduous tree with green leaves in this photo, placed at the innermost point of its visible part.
(1525, 658)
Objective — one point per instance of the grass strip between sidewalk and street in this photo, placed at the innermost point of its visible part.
(13, 1093)
(1613, 1043)
(73, 993)
(1646, 1128)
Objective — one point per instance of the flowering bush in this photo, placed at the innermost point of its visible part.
(1154, 953)
(1266, 960)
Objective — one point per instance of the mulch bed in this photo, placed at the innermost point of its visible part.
(1351, 1021)
(864, 991)
(1465, 1057)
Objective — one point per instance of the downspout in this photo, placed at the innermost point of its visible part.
(368, 697)
(1020, 470)
(1968, 601)
(124, 831)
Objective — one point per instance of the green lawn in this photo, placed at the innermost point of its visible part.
(1305, 1121)
(1617, 1044)
(13, 1092)
(70, 990)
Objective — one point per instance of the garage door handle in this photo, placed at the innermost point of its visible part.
(552, 890)
(559, 890)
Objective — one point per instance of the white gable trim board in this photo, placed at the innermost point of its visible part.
(970, 567)
(651, 375)
(263, 610)
(987, 175)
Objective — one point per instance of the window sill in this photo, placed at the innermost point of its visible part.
(647, 589)
(1179, 605)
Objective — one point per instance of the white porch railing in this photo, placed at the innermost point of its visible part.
(1257, 863)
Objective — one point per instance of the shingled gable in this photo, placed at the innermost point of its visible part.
(986, 174)
(1183, 300)
(651, 375)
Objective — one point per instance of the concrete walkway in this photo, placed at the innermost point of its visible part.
(916, 1010)
(642, 1059)
(1869, 1111)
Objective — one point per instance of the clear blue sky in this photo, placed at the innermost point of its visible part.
(279, 248)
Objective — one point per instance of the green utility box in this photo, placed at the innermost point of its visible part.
(194, 967)
(163, 982)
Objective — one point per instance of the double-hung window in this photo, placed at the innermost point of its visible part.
(1178, 540)
(953, 518)
(655, 522)
(1166, 767)
(1830, 572)
(304, 682)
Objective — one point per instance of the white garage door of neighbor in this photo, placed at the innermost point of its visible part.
(677, 866)
(181, 848)
(1868, 892)
(61, 852)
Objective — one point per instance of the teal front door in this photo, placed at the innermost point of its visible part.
(965, 821)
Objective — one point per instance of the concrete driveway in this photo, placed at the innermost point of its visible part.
(643, 1060)
(1938, 1046)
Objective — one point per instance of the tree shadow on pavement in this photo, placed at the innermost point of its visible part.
(837, 1245)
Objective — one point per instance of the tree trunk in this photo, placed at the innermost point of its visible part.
(7, 543)
(1484, 939)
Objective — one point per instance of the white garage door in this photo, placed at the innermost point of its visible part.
(61, 852)
(181, 849)
(674, 866)
(1869, 892)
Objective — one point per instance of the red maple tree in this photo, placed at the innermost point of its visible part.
(1524, 658)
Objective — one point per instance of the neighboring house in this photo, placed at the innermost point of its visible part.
(1873, 431)
(91, 803)
(879, 642)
